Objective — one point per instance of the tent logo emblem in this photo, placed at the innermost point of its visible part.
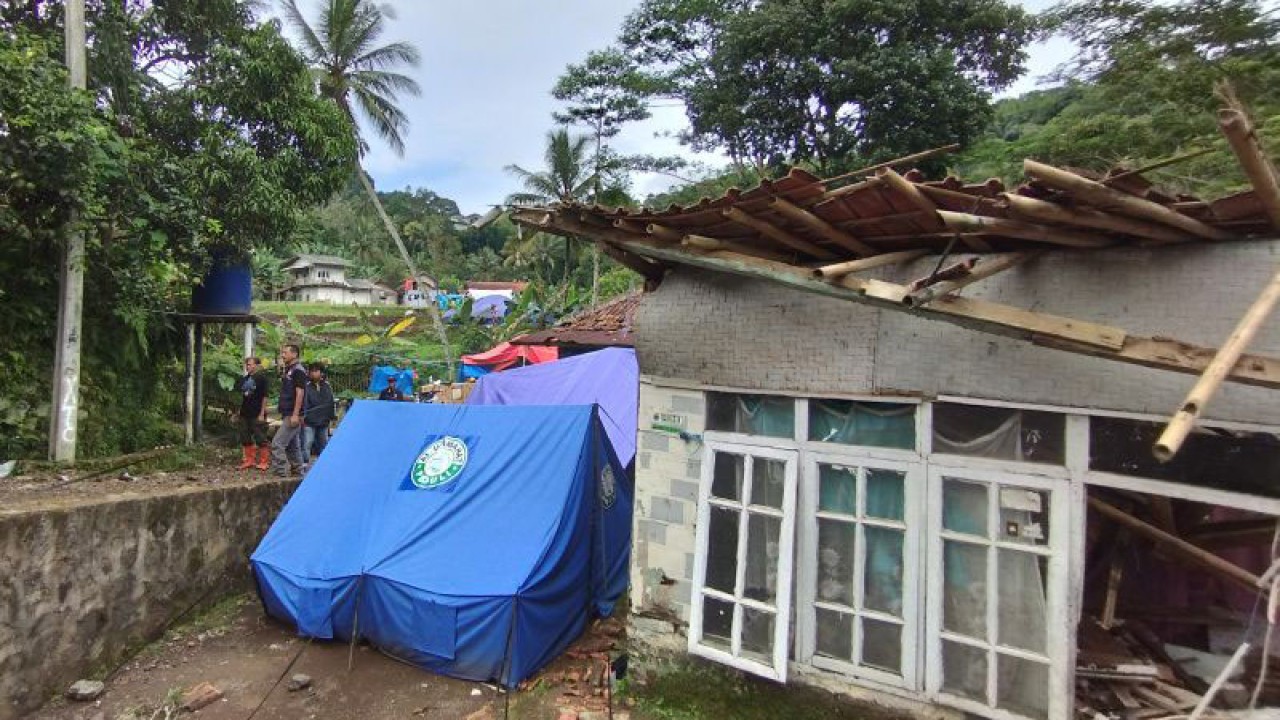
(608, 487)
(439, 464)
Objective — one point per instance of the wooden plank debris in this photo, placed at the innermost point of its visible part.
(985, 269)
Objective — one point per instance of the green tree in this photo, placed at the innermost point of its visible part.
(354, 71)
(568, 177)
(829, 82)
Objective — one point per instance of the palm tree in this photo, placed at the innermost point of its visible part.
(354, 71)
(568, 177)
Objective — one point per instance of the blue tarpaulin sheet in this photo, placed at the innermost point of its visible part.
(472, 541)
(609, 378)
(378, 380)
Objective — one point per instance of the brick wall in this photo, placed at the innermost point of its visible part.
(728, 331)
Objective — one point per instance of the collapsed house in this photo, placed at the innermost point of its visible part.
(896, 439)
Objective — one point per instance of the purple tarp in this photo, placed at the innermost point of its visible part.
(608, 377)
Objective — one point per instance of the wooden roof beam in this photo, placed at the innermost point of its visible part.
(772, 231)
(964, 222)
(839, 270)
(1235, 125)
(822, 227)
(1106, 198)
(1043, 211)
(982, 271)
(1066, 334)
(908, 189)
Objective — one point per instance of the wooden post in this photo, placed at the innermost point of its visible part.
(1226, 358)
(1178, 546)
(189, 394)
(197, 426)
(1101, 196)
(65, 409)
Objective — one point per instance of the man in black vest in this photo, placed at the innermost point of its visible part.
(286, 445)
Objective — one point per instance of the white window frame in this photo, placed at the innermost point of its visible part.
(911, 525)
(1059, 628)
(786, 561)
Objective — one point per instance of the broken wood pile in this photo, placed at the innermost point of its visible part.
(1126, 673)
(449, 393)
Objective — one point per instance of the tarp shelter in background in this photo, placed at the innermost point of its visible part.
(472, 541)
(489, 308)
(503, 356)
(609, 378)
(378, 379)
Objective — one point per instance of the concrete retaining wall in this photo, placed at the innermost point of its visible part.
(85, 582)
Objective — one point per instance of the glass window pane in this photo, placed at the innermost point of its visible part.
(882, 645)
(999, 433)
(964, 507)
(1024, 516)
(722, 550)
(964, 592)
(717, 623)
(763, 533)
(768, 481)
(757, 635)
(751, 414)
(836, 546)
(1021, 583)
(882, 574)
(886, 494)
(1022, 686)
(728, 476)
(838, 491)
(891, 425)
(835, 635)
(964, 671)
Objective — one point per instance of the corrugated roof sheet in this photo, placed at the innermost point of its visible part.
(607, 325)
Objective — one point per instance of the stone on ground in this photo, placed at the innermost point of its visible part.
(299, 682)
(85, 690)
(200, 696)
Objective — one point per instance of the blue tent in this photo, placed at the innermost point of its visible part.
(472, 541)
(378, 379)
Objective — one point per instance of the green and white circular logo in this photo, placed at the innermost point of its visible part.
(608, 488)
(439, 464)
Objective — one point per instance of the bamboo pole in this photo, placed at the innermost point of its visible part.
(1178, 546)
(839, 270)
(769, 230)
(1043, 211)
(1061, 333)
(954, 271)
(1227, 671)
(664, 233)
(1235, 124)
(908, 189)
(709, 244)
(964, 222)
(1101, 196)
(914, 157)
(984, 270)
(822, 227)
(1184, 420)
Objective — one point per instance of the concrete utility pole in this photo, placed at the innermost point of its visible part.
(66, 365)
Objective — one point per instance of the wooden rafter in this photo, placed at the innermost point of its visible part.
(822, 227)
(1106, 198)
(964, 222)
(929, 211)
(770, 230)
(1052, 331)
(839, 270)
(1042, 211)
(984, 270)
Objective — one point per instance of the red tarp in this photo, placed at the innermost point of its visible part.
(506, 355)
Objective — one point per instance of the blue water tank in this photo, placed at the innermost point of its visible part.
(226, 290)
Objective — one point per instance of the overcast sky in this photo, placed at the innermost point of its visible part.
(486, 74)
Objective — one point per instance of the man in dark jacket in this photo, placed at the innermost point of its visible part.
(253, 415)
(285, 445)
(391, 392)
(317, 412)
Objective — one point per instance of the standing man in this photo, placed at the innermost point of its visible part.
(285, 445)
(317, 412)
(390, 392)
(253, 415)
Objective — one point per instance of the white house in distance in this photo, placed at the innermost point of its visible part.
(323, 278)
